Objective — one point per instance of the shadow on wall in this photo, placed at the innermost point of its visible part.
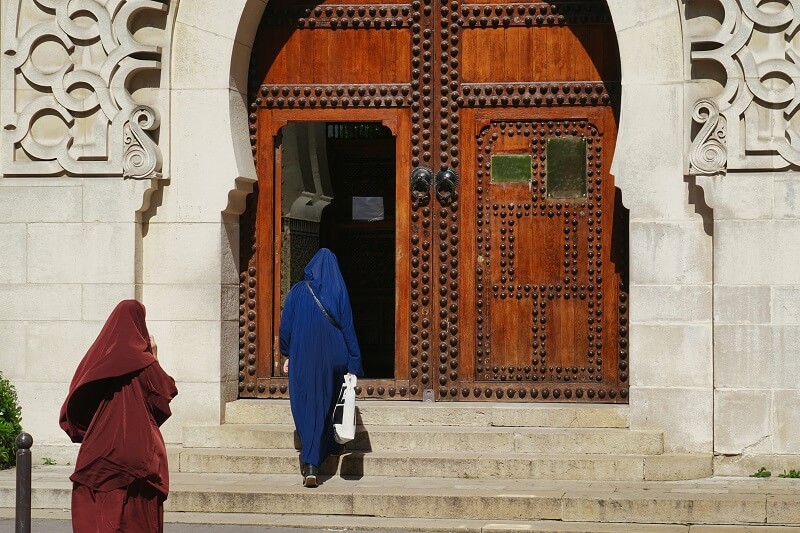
(620, 240)
(697, 198)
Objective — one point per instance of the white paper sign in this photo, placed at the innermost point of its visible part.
(368, 208)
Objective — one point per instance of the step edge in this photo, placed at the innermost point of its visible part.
(430, 455)
(447, 428)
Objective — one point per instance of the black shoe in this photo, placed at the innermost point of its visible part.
(310, 478)
(303, 468)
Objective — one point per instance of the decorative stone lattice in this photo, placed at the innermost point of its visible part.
(67, 106)
(750, 123)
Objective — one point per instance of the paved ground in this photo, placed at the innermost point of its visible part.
(64, 526)
(58, 521)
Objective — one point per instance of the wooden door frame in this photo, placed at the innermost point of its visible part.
(270, 122)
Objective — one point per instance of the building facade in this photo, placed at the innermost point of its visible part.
(189, 154)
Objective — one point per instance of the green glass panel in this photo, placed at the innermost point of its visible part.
(566, 167)
(511, 168)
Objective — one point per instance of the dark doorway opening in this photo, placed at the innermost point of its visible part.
(358, 225)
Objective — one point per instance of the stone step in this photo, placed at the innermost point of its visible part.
(432, 438)
(716, 501)
(408, 413)
(467, 465)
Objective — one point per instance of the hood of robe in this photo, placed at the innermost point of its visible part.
(122, 347)
(324, 276)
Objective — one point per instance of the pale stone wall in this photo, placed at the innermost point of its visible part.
(191, 240)
(670, 262)
(756, 314)
(748, 180)
(74, 246)
(70, 225)
(68, 258)
(715, 319)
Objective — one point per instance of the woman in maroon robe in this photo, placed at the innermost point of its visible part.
(117, 400)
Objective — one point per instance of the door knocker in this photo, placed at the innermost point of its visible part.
(421, 180)
(446, 183)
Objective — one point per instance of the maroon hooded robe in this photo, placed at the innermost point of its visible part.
(117, 400)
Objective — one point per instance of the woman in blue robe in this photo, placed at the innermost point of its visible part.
(318, 337)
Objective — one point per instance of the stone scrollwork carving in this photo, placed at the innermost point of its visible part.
(142, 157)
(68, 107)
(754, 46)
(709, 154)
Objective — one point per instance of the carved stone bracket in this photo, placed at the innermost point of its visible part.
(754, 46)
(142, 158)
(709, 153)
(67, 104)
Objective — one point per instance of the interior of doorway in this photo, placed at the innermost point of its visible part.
(338, 192)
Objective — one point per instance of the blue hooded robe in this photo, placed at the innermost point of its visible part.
(320, 354)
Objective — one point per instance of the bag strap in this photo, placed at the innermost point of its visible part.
(321, 307)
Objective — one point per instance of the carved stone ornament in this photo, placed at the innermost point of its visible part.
(709, 154)
(142, 157)
(754, 46)
(67, 104)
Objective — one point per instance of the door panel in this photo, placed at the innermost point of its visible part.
(519, 53)
(541, 266)
(306, 57)
(511, 261)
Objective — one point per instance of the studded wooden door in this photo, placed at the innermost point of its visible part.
(512, 251)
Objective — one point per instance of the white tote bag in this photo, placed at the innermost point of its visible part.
(344, 428)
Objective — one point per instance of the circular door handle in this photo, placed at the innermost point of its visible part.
(421, 181)
(446, 184)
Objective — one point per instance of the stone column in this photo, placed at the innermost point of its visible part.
(670, 263)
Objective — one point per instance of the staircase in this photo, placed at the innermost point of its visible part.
(466, 440)
(467, 467)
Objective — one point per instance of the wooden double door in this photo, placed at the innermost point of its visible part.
(496, 269)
